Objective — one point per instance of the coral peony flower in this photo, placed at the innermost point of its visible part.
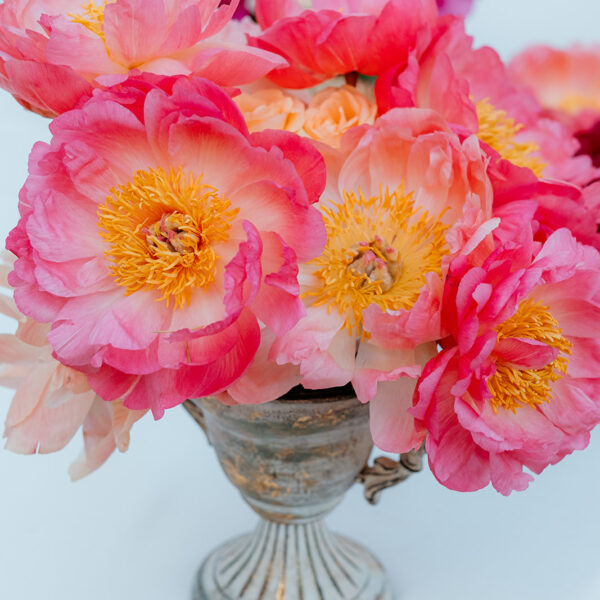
(332, 111)
(155, 231)
(52, 402)
(565, 81)
(516, 384)
(52, 52)
(404, 195)
(473, 90)
(339, 36)
(271, 108)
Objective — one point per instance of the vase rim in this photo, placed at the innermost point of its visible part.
(300, 393)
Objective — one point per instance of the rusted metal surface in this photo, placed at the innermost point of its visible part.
(290, 457)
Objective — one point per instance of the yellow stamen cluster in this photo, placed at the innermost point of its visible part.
(91, 17)
(162, 230)
(513, 387)
(499, 131)
(378, 251)
(574, 103)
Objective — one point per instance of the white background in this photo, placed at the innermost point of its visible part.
(138, 528)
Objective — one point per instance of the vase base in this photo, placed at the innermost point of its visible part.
(291, 562)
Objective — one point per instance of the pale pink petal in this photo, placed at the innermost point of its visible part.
(524, 352)
(134, 30)
(313, 332)
(507, 474)
(376, 364)
(52, 89)
(277, 303)
(392, 427)
(73, 45)
(321, 370)
(106, 427)
(99, 443)
(229, 64)
(45, 428)
(264, 380)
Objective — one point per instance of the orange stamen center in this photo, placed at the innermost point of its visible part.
(500, 131)
(513, 387)
(378, 251)
(91, 17)
(163, 231)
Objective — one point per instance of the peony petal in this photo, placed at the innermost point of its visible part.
(198, 381)
(525, 352)
(392, 427)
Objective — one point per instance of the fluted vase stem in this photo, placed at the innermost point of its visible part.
(299, 561)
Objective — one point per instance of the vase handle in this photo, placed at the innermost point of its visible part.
(387, 472)
(196, 412)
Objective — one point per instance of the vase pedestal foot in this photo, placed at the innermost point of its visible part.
(291, 562)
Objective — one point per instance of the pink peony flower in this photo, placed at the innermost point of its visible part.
(516, 385)
(404, 196)
(339, 36)
(155, 231)
(52, 402)
(52, 52)
(566, 82)
(473, 90)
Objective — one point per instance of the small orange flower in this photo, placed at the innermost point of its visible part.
(271, 109)
(333, 111)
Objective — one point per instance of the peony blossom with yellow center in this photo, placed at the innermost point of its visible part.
(163, 231)
(379, 250)
(182, 236)
(55, 51)
(404, 196)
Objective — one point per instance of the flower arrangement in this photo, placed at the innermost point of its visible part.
(246, 205)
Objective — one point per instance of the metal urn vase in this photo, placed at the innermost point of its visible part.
(293, 460)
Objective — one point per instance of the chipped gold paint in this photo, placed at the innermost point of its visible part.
(257, 481)
(331, 417)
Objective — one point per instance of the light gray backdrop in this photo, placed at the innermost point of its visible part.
(138, 528)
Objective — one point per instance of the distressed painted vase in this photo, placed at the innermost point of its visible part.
(293, 460)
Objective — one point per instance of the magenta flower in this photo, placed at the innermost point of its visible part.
(339, 36)
(155, 232)
(516, 385)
